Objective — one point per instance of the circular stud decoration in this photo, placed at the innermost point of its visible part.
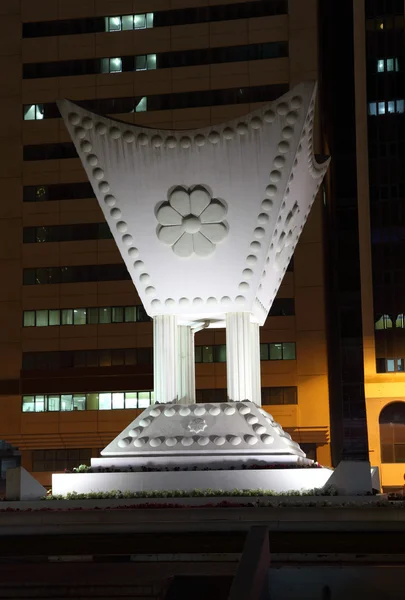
(142, 139)
(184, 411)
(171, 441)
(219, 440)
(115, 133)
(169, 412)
(110, 200)
(124, 442)
(115, 213)
(128, 137)
(127, 239)
(133, 252)
(185, 142)
(73, 118)
(199, 140)
(101, 128)
(86, 146)
(187, 441)
(241, 128)
(155, 442)
(228, 133)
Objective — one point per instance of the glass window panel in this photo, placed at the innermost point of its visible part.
(66, 402)
(115, 65)
(118, 314)
(91, 358)
(276, 395)
(152, 396)
(381, 108)
(387, 322)
(92, 315)
(198, 354)
(391, 106)
(264, 352)
(29, 318)
(149, 20)
(390, 64)
(141, 314)
(67, 316)
(130, 356)
(380, 66)
(140, 63)
(104, 314)
(143, 399)
(131, 400)
(29, 112)
(290, 395)
(399, 453)
(41, 318)
(144, 356)
(289, 351)
(104, 401)
(396, 65)
(207, 354)
(28, 404)
(79, 358)
(372, 108)
(400, 364)
(400, 106)
(105, 65)
(114, 23)
(390, 365)
(127, 22)
(54, 316)
(276, 351)
(118, 400)
(53, 403)
(220, 353)
(104, 358)
(92, 401)
(79, 402)
(117, 357)
(79, 316)
(39, 403)
(142, 105)
(130, 314)
(140, 21)
(151, 62)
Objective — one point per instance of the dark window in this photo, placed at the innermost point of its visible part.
(162, 18)
(81, 273)
(392, 433)
(282, 307)
(212, 395)
(59, 460)
(58, 191)
(66, 233)
(163, 60)
(87, 358)
(279, 395)
(111, 106)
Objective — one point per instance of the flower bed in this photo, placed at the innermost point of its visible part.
(143, 469)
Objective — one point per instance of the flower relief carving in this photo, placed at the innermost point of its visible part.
(191, 221)
(197, 425)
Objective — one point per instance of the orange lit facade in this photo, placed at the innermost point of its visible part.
(75, 343)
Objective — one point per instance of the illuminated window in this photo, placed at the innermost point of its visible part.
(372, 109)
(387, 64)
(33, 112)
(384, 322)
(386, 108)
(399, 322)
(111, 65)
(129, 22)
(145, 62)
(142, 105)
(90, 401)
(394, 364)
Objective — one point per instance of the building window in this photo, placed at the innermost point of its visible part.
(145, 62)
(142, 105)
(392, 433)
(84, 316)
(390, 365)
(75, 274)
(386, 108)
(279, 395)
(111, 65)
(66, 233)
(387, 64)
(33, 112)
(90, 401)
(384, 322)
(61, 459)
(73, 359)
(278, 351)
(129, 22)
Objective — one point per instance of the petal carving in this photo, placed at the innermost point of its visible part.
(170, 234)
(166, 215)
(215, 232)
(202, 245)
(184, 246)
(214, 213)
(199, 200)
(180, 201)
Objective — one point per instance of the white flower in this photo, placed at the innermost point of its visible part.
(191, 222)
(197, 425)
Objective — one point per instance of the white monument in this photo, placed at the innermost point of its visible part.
(207, 222)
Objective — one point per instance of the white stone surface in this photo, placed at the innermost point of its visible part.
(239, 357)
(21, 485)
(165, 358)
(205, 220)
(186, 377)
(352, 477)
(278, 480)
(203, 429)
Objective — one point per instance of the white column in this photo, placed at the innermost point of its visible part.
(239, 356)
(255, 363)
(165, 358)
(186, 376)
